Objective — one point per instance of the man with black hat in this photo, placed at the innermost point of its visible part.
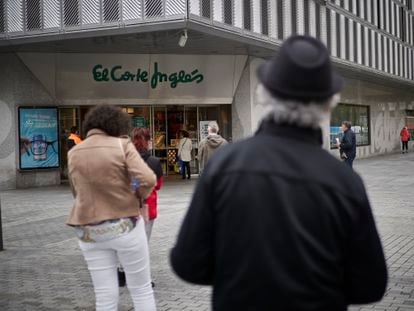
(276, 222)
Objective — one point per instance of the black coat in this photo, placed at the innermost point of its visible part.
(348, 144)
(277, 223)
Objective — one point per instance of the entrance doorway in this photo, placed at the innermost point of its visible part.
(166, 123)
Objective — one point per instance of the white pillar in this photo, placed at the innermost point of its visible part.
(238, 14)
(273, 19)
(90, 12)
(51, 13)
(300, 15)
(351, 40)
(366, 46)
(287, 20)
(333, 34)
(312, 18)
(218, 11)
(14, 16)
(256, 16)
(373, 47)
(195, 7)
(359, 44)
(342, 38)
(390, 57)
(323, 14)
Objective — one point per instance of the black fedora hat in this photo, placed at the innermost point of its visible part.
(301, 70)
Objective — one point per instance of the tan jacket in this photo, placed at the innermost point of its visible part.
(99, 174)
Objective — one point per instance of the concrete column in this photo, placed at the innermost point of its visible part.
(18, 87)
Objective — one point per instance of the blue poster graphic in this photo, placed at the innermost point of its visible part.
(38, 135)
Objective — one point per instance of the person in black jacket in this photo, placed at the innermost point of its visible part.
(347, 146)
(276, 222)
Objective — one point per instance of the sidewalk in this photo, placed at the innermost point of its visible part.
(43, 269)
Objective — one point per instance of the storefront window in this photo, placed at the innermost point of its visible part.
(221, 114)
(359, 118)
(160, 136)
(409, 122)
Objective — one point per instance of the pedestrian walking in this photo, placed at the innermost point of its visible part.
(141, 139)
(106, 214)
(405, 137)
(347, 145)
(276, 222)
(210, 144)
(184, 153)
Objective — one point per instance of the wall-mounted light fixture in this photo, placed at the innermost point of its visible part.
(183, 38)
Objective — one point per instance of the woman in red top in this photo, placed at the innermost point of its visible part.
(141, 138)
(404, 139)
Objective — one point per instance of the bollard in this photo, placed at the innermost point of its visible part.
(1, 231)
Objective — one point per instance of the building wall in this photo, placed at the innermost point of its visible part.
(387, 107)
(18, 87)
(387, 113)
(241, 107)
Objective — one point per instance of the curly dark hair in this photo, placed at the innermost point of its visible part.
(110, 119)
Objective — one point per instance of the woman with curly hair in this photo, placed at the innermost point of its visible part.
(106, 214)
(141, 139)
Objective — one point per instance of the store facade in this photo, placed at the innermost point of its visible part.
(166, 93)
(52, 92)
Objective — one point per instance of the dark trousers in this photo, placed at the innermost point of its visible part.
(186, 167)
(405, 145)
(348, 161)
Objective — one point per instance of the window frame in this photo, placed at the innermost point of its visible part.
(332, 145)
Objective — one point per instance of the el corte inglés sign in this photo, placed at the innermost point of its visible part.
(117, 74)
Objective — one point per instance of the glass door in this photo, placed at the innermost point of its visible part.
(175, 126)
(160, 136)
(191, 125)
(221, 114)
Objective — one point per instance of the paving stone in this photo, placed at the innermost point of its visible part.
(42, 267)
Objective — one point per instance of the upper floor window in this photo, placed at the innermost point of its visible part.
(359, 118)
(71, 12)
(206, 8)
(228, 12)
(247, 14)
(111, 10)
(402, 25)
(265, 17)
(33, 21)
(2, 28)
(153, 8)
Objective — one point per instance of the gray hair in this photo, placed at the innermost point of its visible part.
(295, 112)
(214, 128)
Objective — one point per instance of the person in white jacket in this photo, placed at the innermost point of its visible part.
(184, 153)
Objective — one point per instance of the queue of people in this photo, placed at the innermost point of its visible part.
(286, 232)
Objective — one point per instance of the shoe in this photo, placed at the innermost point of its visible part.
(121, 278)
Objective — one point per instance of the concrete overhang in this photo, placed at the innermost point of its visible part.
(162, 37)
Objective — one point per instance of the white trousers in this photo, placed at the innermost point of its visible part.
(102, 258)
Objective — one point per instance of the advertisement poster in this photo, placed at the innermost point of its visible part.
(38, 135)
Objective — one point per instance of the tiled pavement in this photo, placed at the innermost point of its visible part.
(43, 269)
